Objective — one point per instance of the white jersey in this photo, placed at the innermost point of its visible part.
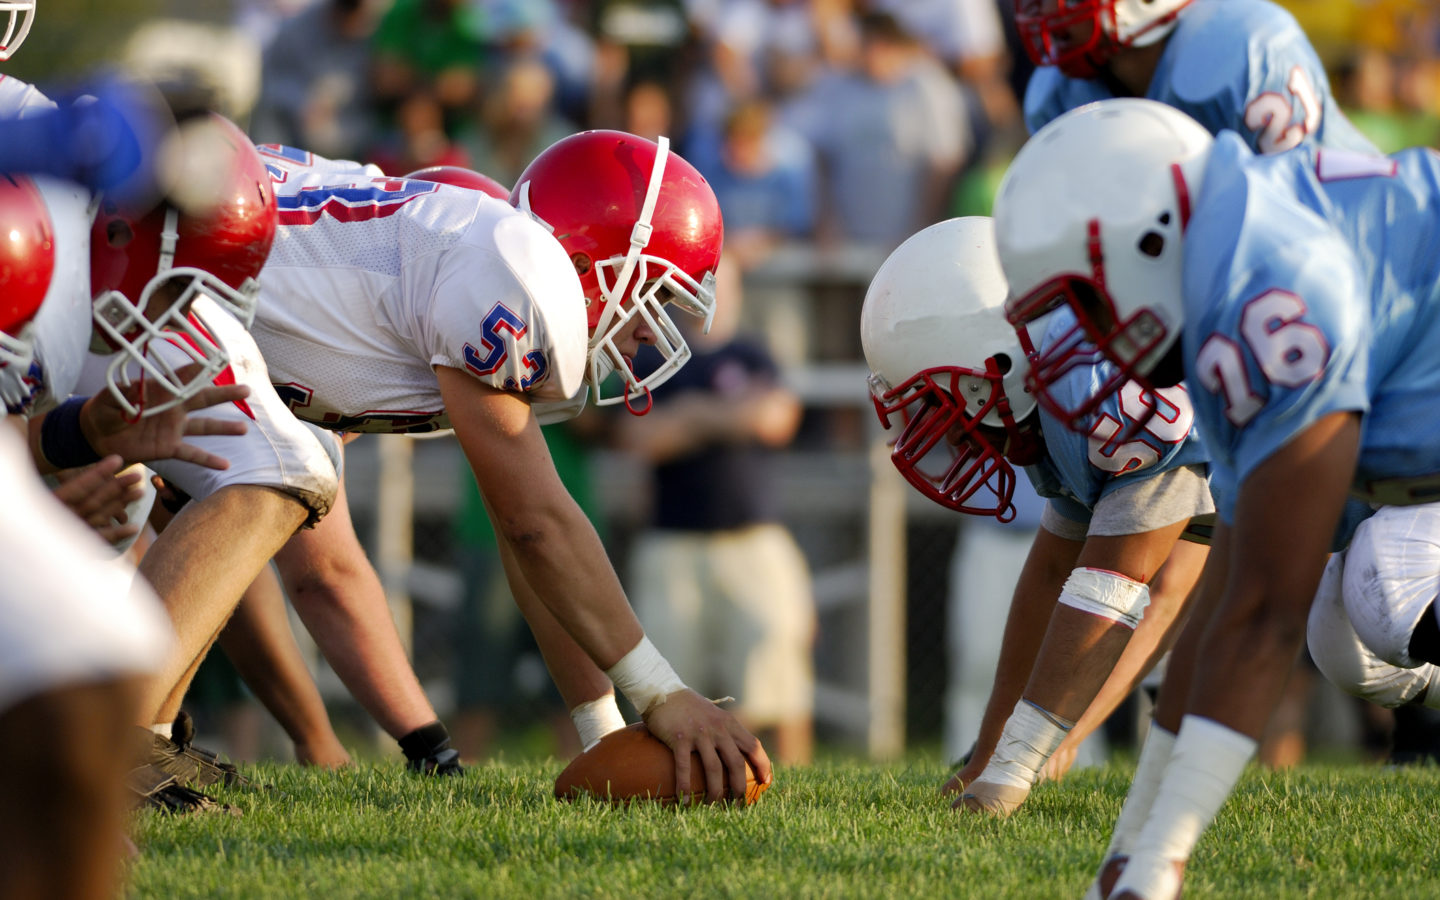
(19, 98)
(373, 281)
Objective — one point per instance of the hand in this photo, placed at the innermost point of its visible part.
(99, 494)
(162, 435)
(1059, 762)
(968, 773)
(688, 722)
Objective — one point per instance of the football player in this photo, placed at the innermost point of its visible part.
(391, 305)
(949, 372)
(1302, 283)
(1242, 65)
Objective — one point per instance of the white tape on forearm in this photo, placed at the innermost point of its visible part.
(1029, 739)
(1106, 594)
(645, 677)
(596, 718)
(1154, 756)
(1205, 764)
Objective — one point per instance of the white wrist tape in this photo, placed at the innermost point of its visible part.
(596, 718)
(1154, 756)
(645, 677)
(1106, 594)
(1030, 737)
(1205, 764)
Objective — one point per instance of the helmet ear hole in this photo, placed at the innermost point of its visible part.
(118, 233)
(1152, 244)
(1002, 363)
(581, 262)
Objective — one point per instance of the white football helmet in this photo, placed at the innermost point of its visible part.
(1092, 214)
(21, 13)
(943, 358)
(1079, 36)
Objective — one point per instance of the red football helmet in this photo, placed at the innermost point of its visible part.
(22, 13)
(462, 177)
(642, 228)
(146, 268)
(27, 262)
(1080, 36)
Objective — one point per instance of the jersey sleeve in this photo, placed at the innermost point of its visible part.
(508, 314)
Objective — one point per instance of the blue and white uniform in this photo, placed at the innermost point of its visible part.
(1242, 65)
(1081, 470)
(1311, 287)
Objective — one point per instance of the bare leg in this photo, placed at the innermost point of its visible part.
(339, 598)
(259, 642)
(62, 824)
(201, 565)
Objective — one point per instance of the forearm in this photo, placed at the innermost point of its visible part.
(575, 674)
(562, 563)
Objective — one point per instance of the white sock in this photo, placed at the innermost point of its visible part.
(1154, 756)
(1206, 762)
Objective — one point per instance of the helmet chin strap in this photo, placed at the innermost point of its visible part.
(640, 234)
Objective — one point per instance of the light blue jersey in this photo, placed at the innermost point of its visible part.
(1239, 65)
(1080, 469)
(1310, 287)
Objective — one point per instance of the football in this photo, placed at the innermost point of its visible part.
(631, 764)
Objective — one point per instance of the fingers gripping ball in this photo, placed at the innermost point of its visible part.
(632, 764)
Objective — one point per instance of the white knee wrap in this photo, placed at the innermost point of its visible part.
(1106, 594)
(1344, 659)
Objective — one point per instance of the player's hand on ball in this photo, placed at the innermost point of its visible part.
(687, 722)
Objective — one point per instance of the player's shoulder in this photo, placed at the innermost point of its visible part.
(1050, 93)
(1233, 45)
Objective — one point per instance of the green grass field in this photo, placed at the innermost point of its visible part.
(839, 829)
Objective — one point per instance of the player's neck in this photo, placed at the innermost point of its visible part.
(1128, 73)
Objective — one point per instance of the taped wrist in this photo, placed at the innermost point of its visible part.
(61, 440)
(596, 718)
(645, 677)
(1107, 594)
(425, 741)
(1030, 737)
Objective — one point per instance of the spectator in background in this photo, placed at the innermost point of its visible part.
(968, 36)
(764, 178)
(718, 582)
(315, 80)
(419, 139)
(429, 46)
(888, 164)
(517, 120)
(648, 109)
(636, 42)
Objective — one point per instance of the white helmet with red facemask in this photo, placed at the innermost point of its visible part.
(944, 361)
(1079, 36)
(147, 268)
(643, 229)
(1092, 215)
(19, 14)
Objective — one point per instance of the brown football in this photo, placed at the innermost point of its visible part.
(632, 764)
